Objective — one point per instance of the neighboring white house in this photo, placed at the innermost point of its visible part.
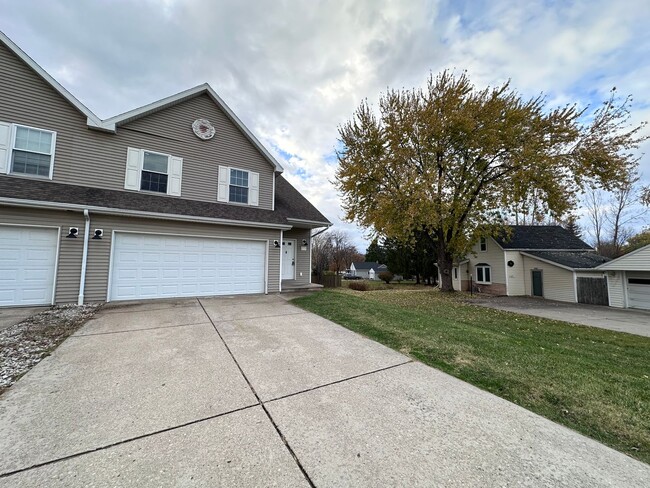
(543, 261)
(367, 270)
(628, 279)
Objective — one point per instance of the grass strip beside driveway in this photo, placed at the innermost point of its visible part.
(594, 381)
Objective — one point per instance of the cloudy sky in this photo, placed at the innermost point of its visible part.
(294, 70)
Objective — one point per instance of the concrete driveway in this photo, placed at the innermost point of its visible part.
(621, 320)
(252, 391)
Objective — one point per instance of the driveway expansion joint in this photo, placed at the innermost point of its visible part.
(125, 441)
(268, 414)
(343, 380)
(90, 334)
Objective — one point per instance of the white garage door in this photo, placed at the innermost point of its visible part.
(27, 265)
(162, 266)
(638, 290)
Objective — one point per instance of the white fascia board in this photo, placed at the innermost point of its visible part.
(315, 223)
(586, 249)
(547, 261)
(91, 117)
(616, 265)
(138, 213)
(112, 123)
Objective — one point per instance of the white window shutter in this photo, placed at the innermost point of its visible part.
(175, 175)
(5, 146)
(224, 179)
(133, 167)
(254, 189)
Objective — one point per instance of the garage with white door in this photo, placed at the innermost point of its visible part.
(628, 279)
(27, 265)
(167, 266)
(638, 290)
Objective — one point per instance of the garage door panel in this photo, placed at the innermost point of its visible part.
(153, 266)
(638, 290)
(27, 265)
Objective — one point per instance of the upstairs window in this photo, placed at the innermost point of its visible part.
(483, 244)
(238, 190)
(155, 169)
(238, 186)
(152, 171)
(30, 150)
(483, 273)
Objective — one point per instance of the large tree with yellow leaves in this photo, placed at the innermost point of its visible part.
(451, 160)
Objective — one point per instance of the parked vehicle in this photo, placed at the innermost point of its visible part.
(349, 276)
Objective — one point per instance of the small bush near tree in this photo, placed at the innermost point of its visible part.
(386, 276)
(358, 286)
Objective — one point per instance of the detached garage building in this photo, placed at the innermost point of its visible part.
(628, 280)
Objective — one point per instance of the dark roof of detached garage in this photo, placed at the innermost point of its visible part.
(289, 203)
(571, 259)
(541, 237)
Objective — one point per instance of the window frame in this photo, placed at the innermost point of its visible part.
(248, 187)
(483, 267)
(483, 243)
(12, 148)
(153, 192)
(455, 272)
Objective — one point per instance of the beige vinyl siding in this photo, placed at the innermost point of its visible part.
(635, 261)
(616, 284)
(558, 283)
(70, 250)
(98, 159)
(493, 256)
(99, 251)
(516, 282)
(303, 274)
(25, 98)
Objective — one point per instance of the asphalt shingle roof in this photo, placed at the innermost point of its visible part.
(292, 204)
(289, 202)
(572, 259)
(541, 237)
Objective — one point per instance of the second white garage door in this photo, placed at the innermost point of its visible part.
(638, 290)
(164, 266)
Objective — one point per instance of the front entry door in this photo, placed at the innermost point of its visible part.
(538, 290)
(288, 259)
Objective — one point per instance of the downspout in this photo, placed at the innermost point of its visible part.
(84, 259)
(281, 250)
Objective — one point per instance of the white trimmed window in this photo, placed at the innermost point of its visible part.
(455, 273)
(483, 244)
(26, 150)
(483, 273)
(153, 172)
(238, 186)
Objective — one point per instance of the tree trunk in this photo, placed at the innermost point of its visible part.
(445, 265)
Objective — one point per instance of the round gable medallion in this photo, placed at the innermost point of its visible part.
(203, 129)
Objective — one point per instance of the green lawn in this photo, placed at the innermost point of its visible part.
(592, 380)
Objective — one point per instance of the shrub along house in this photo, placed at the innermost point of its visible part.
(173, 199)
(540, 261)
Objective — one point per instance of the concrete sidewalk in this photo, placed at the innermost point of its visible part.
(252, 391)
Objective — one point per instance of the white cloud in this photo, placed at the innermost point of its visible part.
(295, 70)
